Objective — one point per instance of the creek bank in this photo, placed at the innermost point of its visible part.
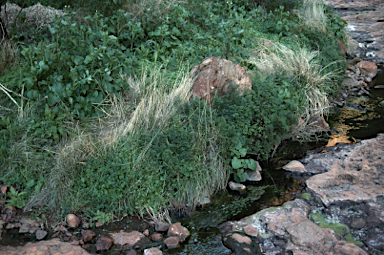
(342, 211)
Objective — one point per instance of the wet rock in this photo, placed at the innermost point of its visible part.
(178, 230)
(253, 176)
(215, 74)
(103, 243)
(24, 228)
(295, 166)
(358, 223)
(156, 237)
(172, 242)
(130, 238)
(351, 175)
(204, 202)
(88, 235)
(161, 226)
(347, 248)
(73, 221)
(367, 68)
(41, 234)
(54, 246)
(237, 186)
(377, 241)
(153, 251)
(251, 231)
(241, 244)
(306, 233)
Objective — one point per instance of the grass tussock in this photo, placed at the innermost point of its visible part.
(7, 54)
(312, 15)
(301, 64)
(139, 7)
(148, 108)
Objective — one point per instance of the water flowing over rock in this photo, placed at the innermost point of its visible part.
(215, 74)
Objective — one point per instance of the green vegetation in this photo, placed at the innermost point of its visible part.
(96, 109)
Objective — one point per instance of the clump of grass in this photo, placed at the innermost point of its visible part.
(147, 110)
(140, 7)
(7, 55)
(312, 14)
(303, 65)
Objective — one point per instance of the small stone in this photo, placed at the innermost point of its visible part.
(368, 79)
(4, 189)
(88, 235)
(204, 202)
(367, 68)
(104, 243)
(379, 87)
(237, 186)
(146, 232)
(295, 166)
(161, 226)
(75, 242)
(172, 242)
(131, 252)
(179, 231)
(131, 238)
(85, 225)
(153, 251)
(363, 84)
(358, 223)
(73, 221)
(253, 176)
(10, 226)
(241, 239)
(251, 231)
(99, 224)
(156, 237)
(350, 82)
(381, 104)
(24, 228)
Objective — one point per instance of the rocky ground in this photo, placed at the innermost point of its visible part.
(342, 211)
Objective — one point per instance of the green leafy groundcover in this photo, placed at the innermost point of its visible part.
(75, 64)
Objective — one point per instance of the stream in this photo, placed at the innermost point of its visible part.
(361, 118)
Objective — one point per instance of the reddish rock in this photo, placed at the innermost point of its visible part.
(179, 231)
(351, 174)
(161, 226)
(306, 233)
(215, 74)
(153, 251)
(251, 231)
(73, 221)
(242, 239)
(4, 188)
(172, 242)
(54, 247)
(156, 237)
(295, 166)
(88, 235)
(347, 248)
(131, 238)
(367, 68)
(343, 49)
(146, 232)
(104, 243)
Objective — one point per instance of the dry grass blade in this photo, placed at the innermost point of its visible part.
(312, 14)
